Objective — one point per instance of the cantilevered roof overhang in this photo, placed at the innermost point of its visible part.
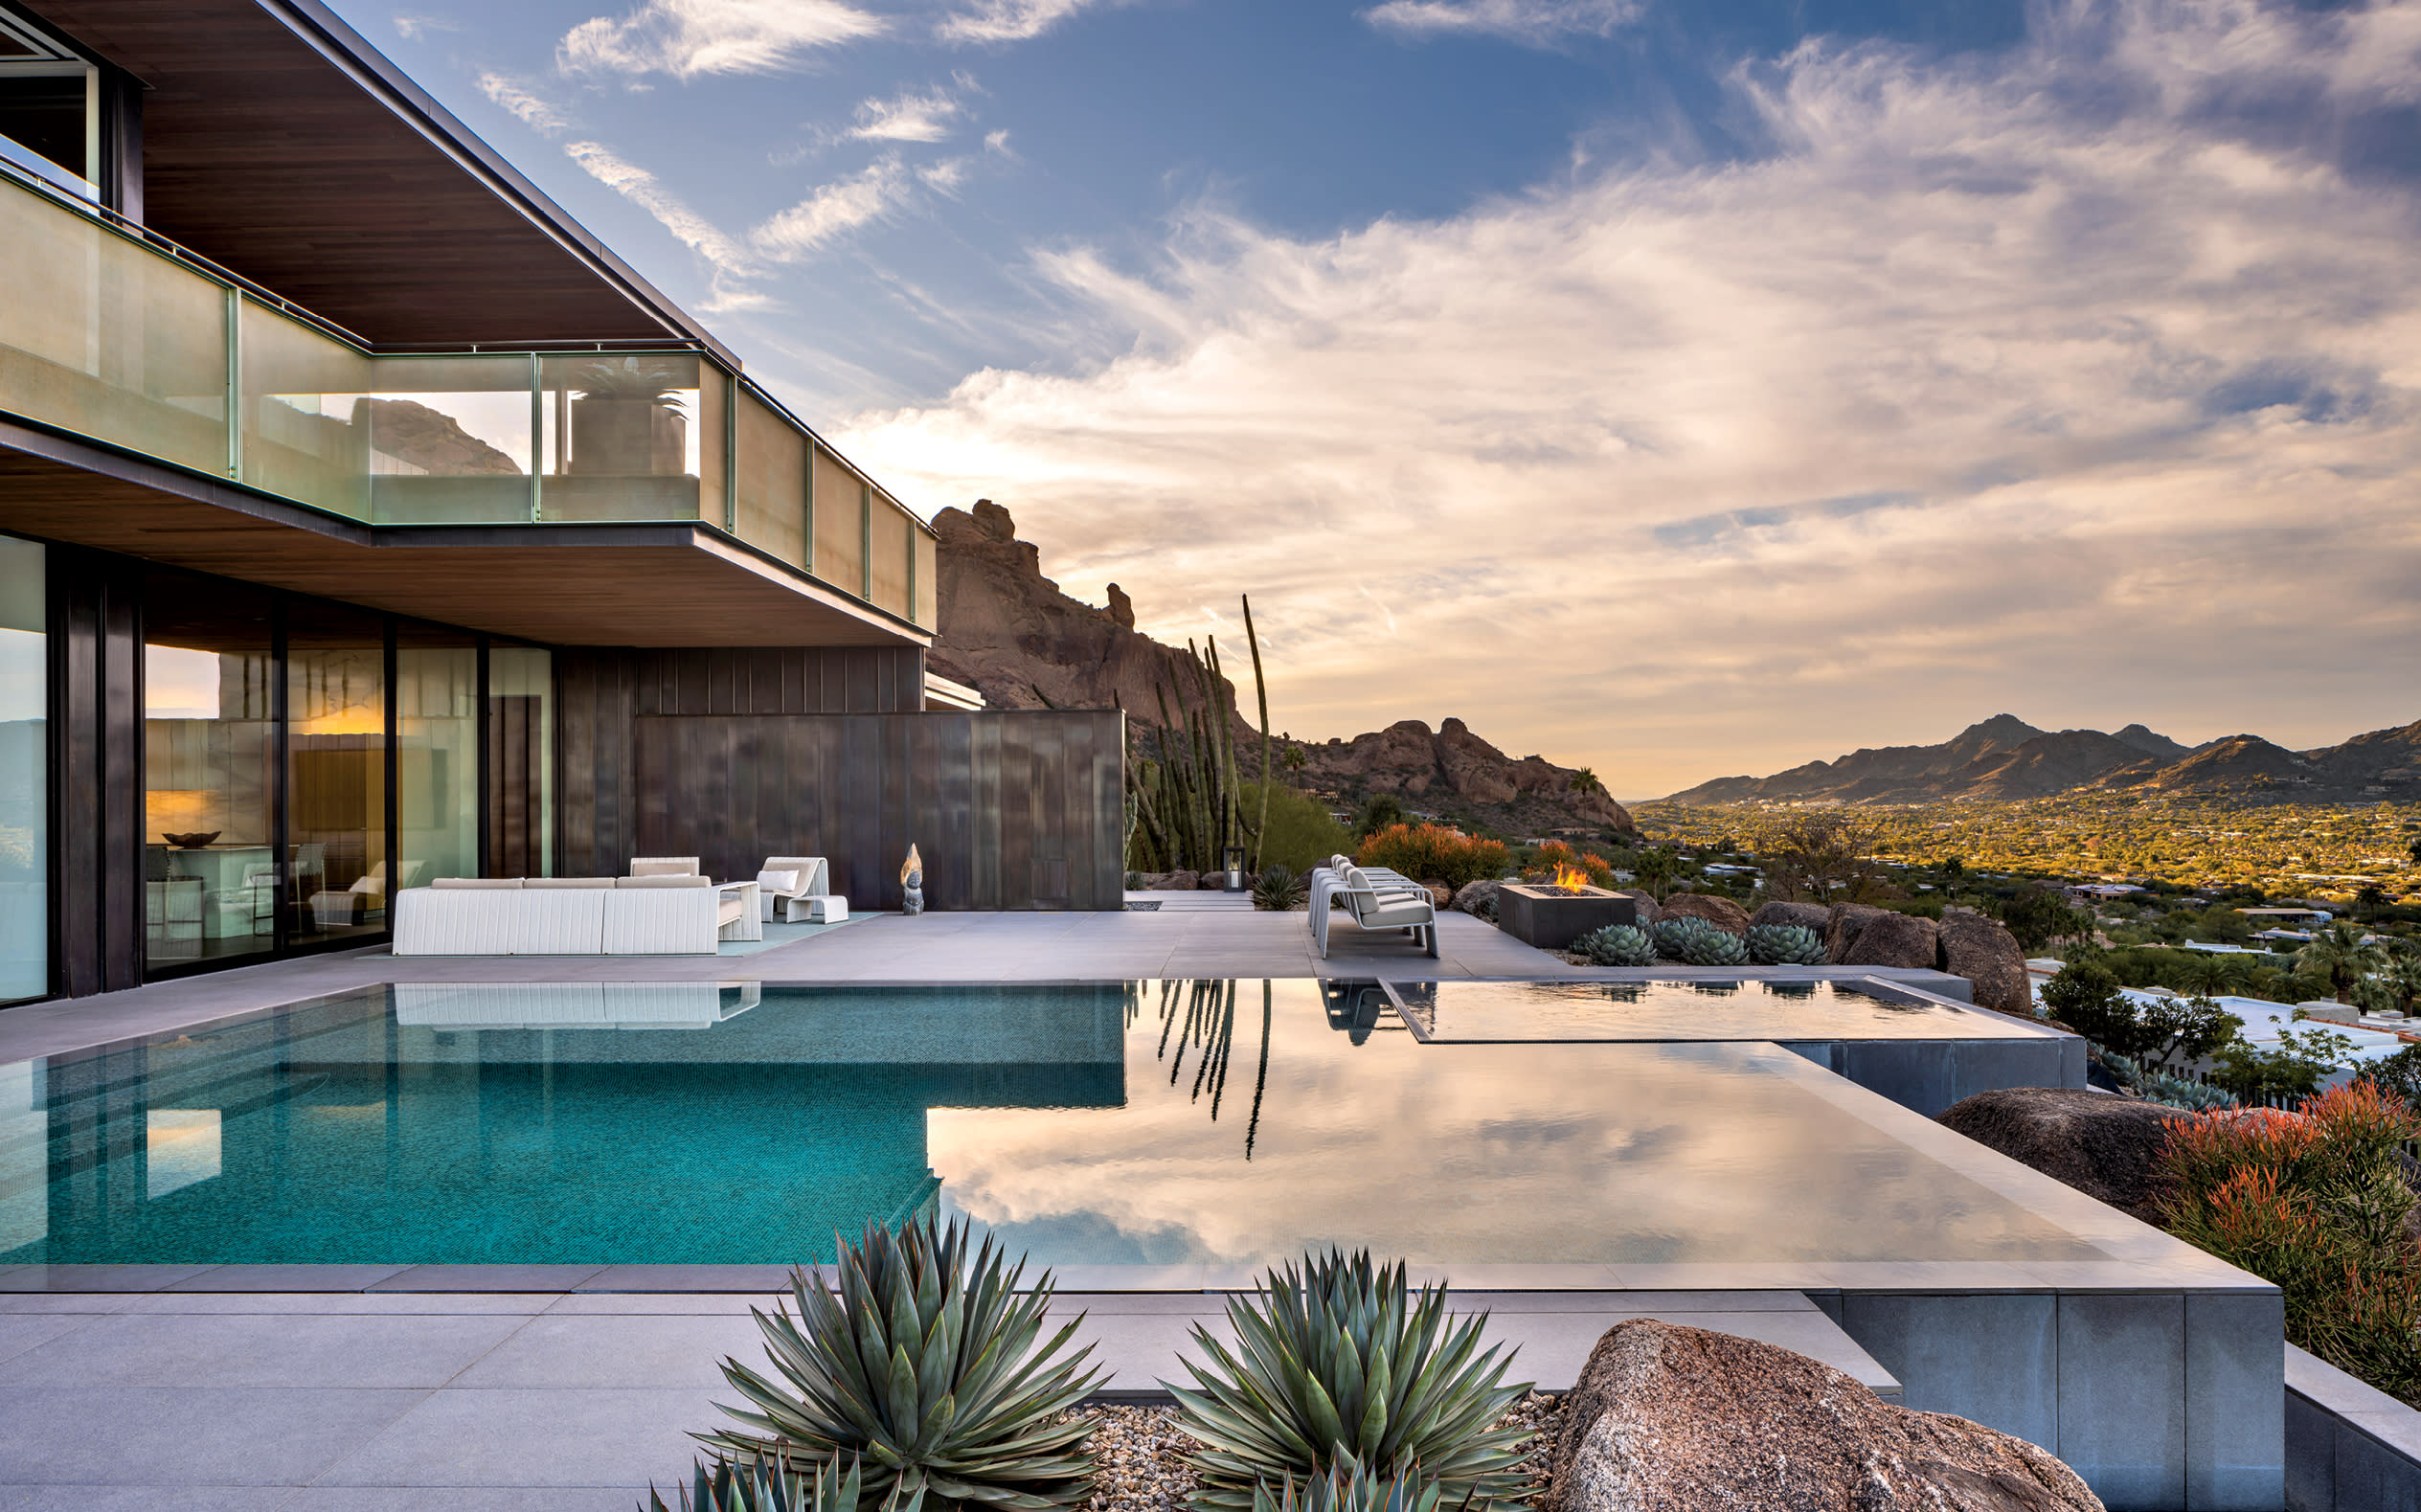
(641, 585)
(280, 144)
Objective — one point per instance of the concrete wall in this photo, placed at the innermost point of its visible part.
(2350, 1447)
(1929, 1075)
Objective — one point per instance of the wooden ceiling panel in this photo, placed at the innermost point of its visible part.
(646, 586)
(342, 187)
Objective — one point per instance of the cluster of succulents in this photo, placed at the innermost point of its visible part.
(1616, 945)
(1349, 1487)
(1339, 1372)
(1786, 945)
(2175, 1091)
(765, 1483)
(1696, 942)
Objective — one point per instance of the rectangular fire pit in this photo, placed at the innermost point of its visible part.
(1552, 918)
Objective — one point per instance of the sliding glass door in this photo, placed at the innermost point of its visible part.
(211, 872)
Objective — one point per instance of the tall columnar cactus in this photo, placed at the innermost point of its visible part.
(1188, 805)
(1786, 945)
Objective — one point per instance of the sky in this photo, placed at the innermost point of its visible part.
(1679, 388)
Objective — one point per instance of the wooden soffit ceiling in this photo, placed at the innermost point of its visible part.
(279, 143)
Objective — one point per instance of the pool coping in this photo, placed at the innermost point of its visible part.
(1884, 988)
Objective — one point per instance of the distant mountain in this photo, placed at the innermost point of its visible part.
(2005, 758)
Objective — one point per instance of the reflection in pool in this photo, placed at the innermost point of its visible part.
(1146, 1123)
(1720, 1010)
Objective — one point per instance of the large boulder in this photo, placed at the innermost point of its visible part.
(1841, 923)
(1985, 952)
(1478, 898)
(1894, 939)
(1806, 916)
(1171, 881)
(1648, 907)
(1722, 912)
(2107, 1147)
(1670, 1417)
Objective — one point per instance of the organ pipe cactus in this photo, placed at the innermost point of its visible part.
(1187, 802)
(1786, 945)
(1616, 945)
(1335, 1369)
(922, 1363)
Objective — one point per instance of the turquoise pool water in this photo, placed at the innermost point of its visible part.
(1140, 1124)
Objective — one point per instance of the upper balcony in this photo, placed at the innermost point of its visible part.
(110, 332)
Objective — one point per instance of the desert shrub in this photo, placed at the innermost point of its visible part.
(1434, 853)
(2315, 1203)
(2167, 1034)
(1277, 888)
(2399, 1074)
(2293, 1070)
(1301, 833)
(2037, 916)
(1380, 811)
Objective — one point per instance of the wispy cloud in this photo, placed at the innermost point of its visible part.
(1533, 22)
(1992, 370)
(515, 95)
(412, 27)
(838, 208)
(912, 116)
(1008, 20)
(689, 38)
(944, 177)
(729, 262)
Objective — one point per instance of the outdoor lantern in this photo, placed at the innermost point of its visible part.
(1235, 868)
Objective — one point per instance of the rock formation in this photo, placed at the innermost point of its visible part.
(1805, 916)
(1008, 631)
(1985, 952)
(2106, 1147)
(1894, 939)
(1842, 924)
(1722, 912)
(1666, 1416)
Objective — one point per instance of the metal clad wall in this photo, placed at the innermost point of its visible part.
(1010, 808)
(97, 757)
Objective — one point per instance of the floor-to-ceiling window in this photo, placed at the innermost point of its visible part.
(25, 850)
(437, 754)
(520, 761)
(337, 770)
(211, 875)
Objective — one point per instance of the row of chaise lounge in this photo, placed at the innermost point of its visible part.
(665, 906)
(1376, 899)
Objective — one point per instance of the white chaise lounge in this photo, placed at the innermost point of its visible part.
(674, 914)
(797, 889)
(1376, 900)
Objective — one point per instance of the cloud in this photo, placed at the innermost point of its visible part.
(2073, 378)
(998, 142)
(1008, 20)
(875, 194)
(1536, 23)
(690, 37)
(514, 95)
(910, 116)
(729, 262)
(945, 176)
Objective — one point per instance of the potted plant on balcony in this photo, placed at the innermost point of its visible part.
(629, 418)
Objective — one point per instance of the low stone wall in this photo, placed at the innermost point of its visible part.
(2350, 1447)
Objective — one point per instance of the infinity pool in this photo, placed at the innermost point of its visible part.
(1144, 1123)
(1714, 1009)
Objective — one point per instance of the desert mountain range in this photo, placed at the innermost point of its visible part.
(2005, 758)
(1010, 632)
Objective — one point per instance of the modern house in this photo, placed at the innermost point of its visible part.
(364, 520)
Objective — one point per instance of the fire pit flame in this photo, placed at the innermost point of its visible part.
(1570, 876)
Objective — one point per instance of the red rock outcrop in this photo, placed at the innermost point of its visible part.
(1008, 631)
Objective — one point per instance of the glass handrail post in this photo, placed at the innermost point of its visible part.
(731, 451)
(537, 440)
(235, 403)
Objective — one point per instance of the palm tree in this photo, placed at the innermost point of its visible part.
(2210, 975)
(2340, 954)
(1586, 783)
(2402, 975)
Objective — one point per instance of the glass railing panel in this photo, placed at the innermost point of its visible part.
(928, 582)
(449, 440)
(102, 336)
(624, 437)
(840, 525)
(888, 541)
(302, 432)
(772, 466)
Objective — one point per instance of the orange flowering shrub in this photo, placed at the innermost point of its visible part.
(1434, 853)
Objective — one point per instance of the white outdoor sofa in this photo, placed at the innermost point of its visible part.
(649, 916)
(1376, 899)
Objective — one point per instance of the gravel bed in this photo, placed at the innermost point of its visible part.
(1141, 1454)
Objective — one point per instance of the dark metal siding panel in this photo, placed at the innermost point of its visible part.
(76, 772)
(121, 811)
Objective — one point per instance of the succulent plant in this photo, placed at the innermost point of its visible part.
(763, 1484)
(1698, 943)
(1616, 945)
(1348, 1487)
(923, 1364)
(1786, 945)
(1277, 888)
(1335, 1369)
(2176, 1091)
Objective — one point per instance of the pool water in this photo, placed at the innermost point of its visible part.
(1733, 1009)
(1163, 1122)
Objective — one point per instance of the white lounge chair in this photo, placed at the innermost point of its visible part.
(799, 890)
(1376, 905)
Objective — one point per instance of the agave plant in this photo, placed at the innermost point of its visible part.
(1698, 943)
(1349, 1487)
(764, 1484)
(1336, 1368)
(1784, 945)
(1616, 945)
(922, 1363)
(1277, 888)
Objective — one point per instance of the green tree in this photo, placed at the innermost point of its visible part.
(2209, 974)
(2039, 917)
(1655, 868)
(1378, 812)
(1299, 832)
(2338, 954)
(1586, 783)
